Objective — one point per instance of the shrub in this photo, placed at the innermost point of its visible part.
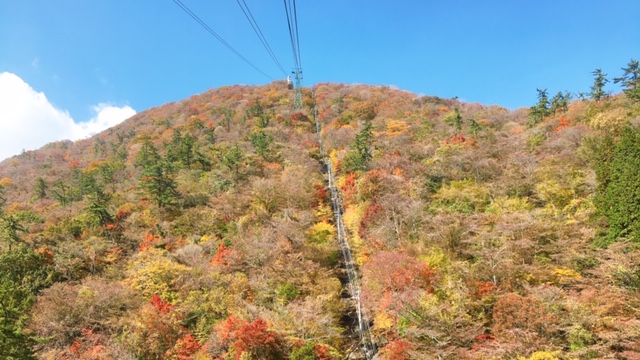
(322, 233)
(153, 332)
(63, 310)
(514, 312)
(535, 140)
(579, 338)
(506, 204)
(463, 196)
(152, 272)
(397, 350)
(254, 339)
(394, 278)
(312, 350)
(541, 355)
(287, 292)
(397, 127)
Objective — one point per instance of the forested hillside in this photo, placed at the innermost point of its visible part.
(203, 229)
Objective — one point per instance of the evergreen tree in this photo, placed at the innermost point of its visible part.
(630, 80)
(538, 112)
(83, 183)
(560, 102)
(22, 273)
(200, 159)
(265, 119)
(454, 119)
(62, 193)
(172, 147)
(210, 135)
(232, 158)
(256, 110)
(108, 172)
(599, 81)
(582, 96)
(99, 146)
(3, 198)
(618, 190)
(40, 188)
(360, 155)
(10, 227)
(474, 127)
(261, 141)
(156, 179)
(121, 153)
(158, 183)
(227, 117)
(363, 142)
(187, 150)
(99, 206)
(148, 155)
(182, 149)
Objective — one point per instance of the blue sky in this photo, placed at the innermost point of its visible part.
(123, 55)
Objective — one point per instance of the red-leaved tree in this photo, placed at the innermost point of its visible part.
(254, 338)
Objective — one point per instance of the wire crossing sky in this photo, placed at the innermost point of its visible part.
(292, 23)
(226, 44)
(256, 29)
(79, 55)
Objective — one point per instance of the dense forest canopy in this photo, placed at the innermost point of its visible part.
(203, 229)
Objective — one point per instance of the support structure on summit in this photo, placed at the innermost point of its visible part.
(297, 102)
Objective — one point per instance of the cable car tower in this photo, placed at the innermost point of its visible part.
(292, 23)
(297, 100)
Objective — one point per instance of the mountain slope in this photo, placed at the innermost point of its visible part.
(203, 229)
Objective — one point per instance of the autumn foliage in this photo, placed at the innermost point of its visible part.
(254, 338)
(161, 305)
(395, 279)
(204, 229)
(514, 315)
(223, 256)
(185, 348)
(397, 350)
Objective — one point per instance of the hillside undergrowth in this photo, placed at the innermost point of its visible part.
(202, 229)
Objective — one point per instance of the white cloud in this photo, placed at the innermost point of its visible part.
(28, 120)
(106, 116)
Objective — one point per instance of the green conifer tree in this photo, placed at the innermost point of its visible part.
(40, 188)
(360, 155)
(233, 158)
(630, 80)
(23, 274)
(3, 198)
(10, 228)
(156, 179)
(560, 102)
(538, 112)
(599, 81)
(474, 127)
(618, 190)
(62, 193)
(454, 119)
(261, 141)
(227, 117)
(99, 206)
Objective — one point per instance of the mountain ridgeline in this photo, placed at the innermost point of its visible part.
(204, 229)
